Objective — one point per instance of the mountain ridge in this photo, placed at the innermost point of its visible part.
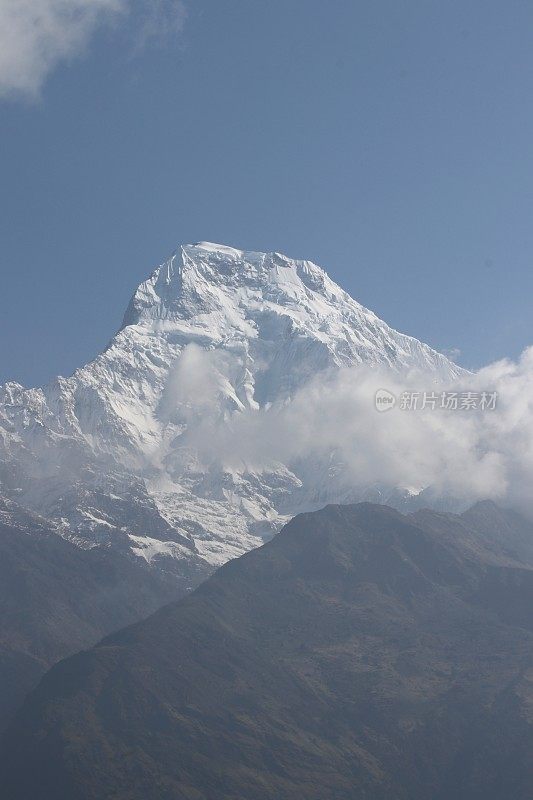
(57, 598)
(211, 333)
(360, 652)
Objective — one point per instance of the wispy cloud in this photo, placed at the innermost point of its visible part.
(453, 353)
(37, 35)
(160, 19)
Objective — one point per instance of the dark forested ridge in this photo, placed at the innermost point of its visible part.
(361, 653)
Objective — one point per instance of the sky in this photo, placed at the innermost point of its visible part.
(389, 142)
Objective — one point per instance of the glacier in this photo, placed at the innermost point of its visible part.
(109, 455)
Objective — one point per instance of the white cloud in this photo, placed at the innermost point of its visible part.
(469, 455)
(36, 35)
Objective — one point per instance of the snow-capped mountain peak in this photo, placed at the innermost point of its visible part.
(109, 453)
(214, 293)
(206, 277)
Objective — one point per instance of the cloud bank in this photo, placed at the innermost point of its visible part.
(36, 35)
(466, 454)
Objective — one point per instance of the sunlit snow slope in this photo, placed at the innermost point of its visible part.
(111, 454)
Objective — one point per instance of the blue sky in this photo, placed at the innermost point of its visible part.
(388, 141)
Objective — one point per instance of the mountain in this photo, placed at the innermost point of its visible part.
(113, 497)
(122, 454)
(360, 653)
(57, 598)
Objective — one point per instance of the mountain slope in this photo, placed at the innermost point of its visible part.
(361, 653)
(125, 443)
(56, 598)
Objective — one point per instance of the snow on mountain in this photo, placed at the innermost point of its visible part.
(110, 454)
